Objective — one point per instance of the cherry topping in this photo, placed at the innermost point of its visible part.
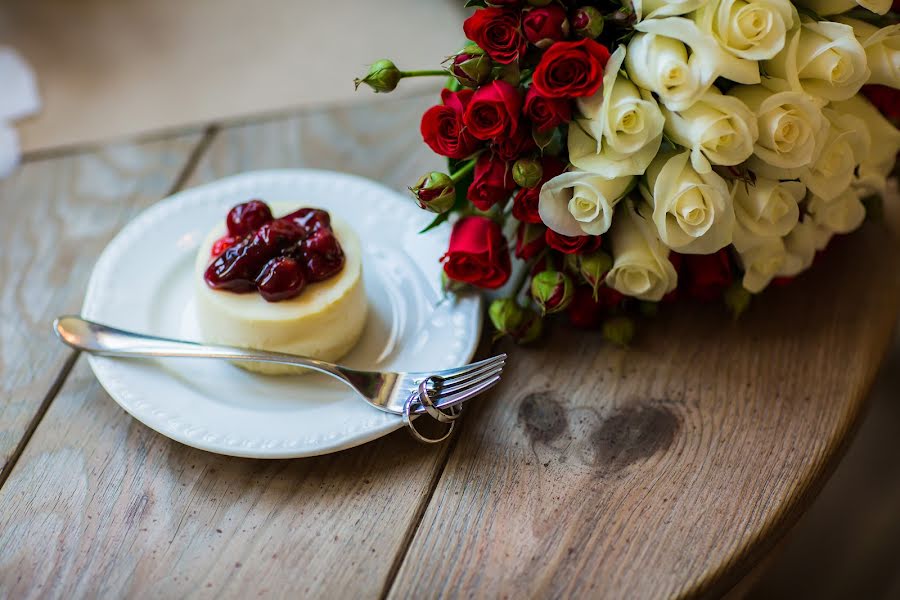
(247, 217)
(281, 278)
(278, 257)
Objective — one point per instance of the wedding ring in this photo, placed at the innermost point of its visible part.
(448, 416)
(407, 420)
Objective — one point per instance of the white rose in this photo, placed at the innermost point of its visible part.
(717, 129)
(833, 7)
(641, 266)
(762, 261)
(679, 62)
(792, 130)
(748, 29)
(875, 168)
(882, 48)
(800, 246)
(650, 9)
(847, 145)
(768, 207)
(580, 203)
(823, 59)
(693, 212)
(841, 214)
(620, 128)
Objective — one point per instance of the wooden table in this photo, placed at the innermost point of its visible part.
(667, 469)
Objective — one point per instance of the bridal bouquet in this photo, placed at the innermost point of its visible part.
(634, 152)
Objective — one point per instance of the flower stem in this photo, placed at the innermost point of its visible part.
(427, 73)
(463, 171)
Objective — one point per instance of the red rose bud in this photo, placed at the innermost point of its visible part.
(497, 31)
(529, 240)
(584, 312)
(443, 129)
(705, 277)
(494, 111)
(527, 172)
(543, 26)
(571, 69)
(493, 183)
(525, 204)
(737, 299)
(478, 253)
(619, 330)
(471, 67)
(552, 291)
(435, 192)
(581, 244)
(509, 318)
(593, 268)
(588, 22)
(383, 76)
(624, 18)
(546, 113)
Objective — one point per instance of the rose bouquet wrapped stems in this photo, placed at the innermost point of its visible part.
(636, 152)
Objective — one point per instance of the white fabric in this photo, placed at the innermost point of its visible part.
(18, 98)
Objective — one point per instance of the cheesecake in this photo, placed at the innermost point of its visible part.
(288, 284)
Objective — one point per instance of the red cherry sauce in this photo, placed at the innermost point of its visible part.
(276, 257)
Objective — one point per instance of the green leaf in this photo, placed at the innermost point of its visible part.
(462, 190)
(477, 3)
(438, 220)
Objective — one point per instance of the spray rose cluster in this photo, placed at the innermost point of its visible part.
(635, 151)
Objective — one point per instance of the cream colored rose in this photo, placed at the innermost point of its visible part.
(654, 9)
(874, 168)
(762, 261)
(679, 62)
(823, 59)
(847, 145)
(581, 203)
(718, 130)
(768, 207)
(800, 248)
(641, 266)
(620, 128)
(748, 29)
(792, 130)
(834, 7)
(692, 212)
(882, 48)
(841, 214)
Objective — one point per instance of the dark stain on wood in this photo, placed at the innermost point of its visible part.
(543, 417)
(631, 434)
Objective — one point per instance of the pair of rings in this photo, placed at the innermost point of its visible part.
(447, 416)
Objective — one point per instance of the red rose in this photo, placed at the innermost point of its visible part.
(513, 147)
(571, 69)
(545, 25)
(579, 244)
(442, 126)
(478, 253)
(547, 113)
(585, 312)
(494, 111)
(525, 204)
(496, 31)
(705, 277)
(530, 240)
(885, 99)
(493, 182)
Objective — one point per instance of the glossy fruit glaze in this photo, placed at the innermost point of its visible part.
(276, 257)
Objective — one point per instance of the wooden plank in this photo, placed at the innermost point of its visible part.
(100, 505)
(667, 469)
(55, 217)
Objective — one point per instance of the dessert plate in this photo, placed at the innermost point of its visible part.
(143, 282)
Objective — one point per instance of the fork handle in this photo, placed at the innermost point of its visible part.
(108, 341)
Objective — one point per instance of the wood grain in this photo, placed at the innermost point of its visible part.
(667, 469)
(57, 215)
(99, 505)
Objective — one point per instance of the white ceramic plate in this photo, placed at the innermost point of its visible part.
(143, 282)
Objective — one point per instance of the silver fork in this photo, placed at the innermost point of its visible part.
(439, 394)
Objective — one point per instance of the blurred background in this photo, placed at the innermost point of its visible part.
(113, 69)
